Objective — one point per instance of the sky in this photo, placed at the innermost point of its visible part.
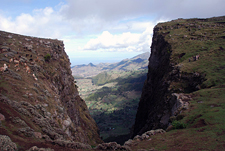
(100, 30)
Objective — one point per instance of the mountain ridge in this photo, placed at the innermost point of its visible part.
(135, 63)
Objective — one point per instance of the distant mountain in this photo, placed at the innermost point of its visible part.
(90, 70)
(143, 56)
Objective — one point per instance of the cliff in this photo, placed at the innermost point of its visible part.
(39, 102)
(186, 59)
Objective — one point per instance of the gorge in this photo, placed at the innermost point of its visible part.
(181, 107)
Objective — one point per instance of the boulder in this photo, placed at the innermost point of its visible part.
(37, 135)
(18, 121)
(2, 117)
(112, 146)
(6, 144)
(35, 148)
(71, 144)
(130, 142)
(27, 131)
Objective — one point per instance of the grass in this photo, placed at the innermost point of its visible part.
(204, 120)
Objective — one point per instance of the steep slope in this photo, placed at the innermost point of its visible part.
(185, 85)
(39, 101)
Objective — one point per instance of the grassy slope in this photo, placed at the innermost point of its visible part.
(205, 118)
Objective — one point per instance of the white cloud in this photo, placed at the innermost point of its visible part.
(114, 10)
(95, 16)
(126, 41)
(124, 25)
(41, 22)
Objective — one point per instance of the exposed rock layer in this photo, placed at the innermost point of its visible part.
(38, 93)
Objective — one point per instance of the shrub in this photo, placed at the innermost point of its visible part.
(47, 57)
(178, 125)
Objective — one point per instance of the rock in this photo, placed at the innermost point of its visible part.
(13, 51)
(144, 136)
(78, 145)
(14, 75)
(28, 47)
(37, 135)
(47, 93)
(18, 121)
(27, 131)
(137, 138)
(47, 138)
(23, 111)
(70, 144)
(2, 117)
(41, 98)
(4, 48)
(4, 59)
(154, 132)
(130, 142)
(180, 102)
(51, 133)
(23, 59)
(35, 148)
(10, 54)
(6, 144)
(67, 122)
(112, 146)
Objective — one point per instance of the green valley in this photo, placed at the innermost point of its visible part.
(112, 98)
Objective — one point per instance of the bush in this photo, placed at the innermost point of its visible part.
(178, 125)
(47, 57)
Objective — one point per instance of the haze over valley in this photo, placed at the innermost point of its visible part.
(112, 92)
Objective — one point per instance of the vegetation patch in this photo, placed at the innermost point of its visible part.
(178, 125)
(47, 57)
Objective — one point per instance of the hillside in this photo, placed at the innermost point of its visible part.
(90, 70)
(112, 99)
(184, 90)
(39, 102)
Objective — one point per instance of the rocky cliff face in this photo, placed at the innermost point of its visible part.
(155, 87)
(178, 66)
(39, 101)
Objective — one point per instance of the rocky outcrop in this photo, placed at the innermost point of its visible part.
(145, 136)
(38, 93)
(152, 103)
(112, 146)
(7, 144)
(35, 148)
(164, 91)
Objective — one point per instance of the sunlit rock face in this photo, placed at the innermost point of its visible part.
(38, 95)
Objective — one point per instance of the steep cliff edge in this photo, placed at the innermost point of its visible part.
(39, 101)
(186, 57)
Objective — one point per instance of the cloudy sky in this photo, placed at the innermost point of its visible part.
(100, 30)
